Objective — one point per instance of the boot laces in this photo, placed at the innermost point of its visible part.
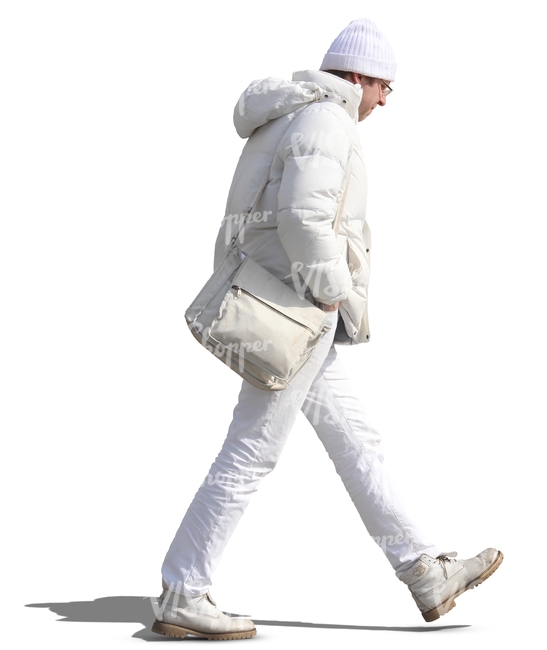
(445, 559)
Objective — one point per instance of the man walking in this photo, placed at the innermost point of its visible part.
(304, 149)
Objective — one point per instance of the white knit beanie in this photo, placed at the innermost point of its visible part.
(362, 48)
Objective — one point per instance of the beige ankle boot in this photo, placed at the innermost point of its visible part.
(435, 583)
(178, 615)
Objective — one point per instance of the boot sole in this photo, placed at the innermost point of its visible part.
(180, 632)
(450, 603)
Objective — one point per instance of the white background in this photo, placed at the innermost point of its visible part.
(117, 151)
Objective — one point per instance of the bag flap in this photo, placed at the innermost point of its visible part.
(264, 286)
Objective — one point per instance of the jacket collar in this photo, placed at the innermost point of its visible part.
(342, 92)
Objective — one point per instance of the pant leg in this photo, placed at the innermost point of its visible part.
(354, 446)
(261, 424)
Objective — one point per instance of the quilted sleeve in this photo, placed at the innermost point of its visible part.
(315, 153)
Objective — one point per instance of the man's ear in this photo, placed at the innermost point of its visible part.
(354, 77)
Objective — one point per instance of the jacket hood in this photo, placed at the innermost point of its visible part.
(270, 98)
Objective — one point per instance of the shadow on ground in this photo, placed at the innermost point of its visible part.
(140, 609)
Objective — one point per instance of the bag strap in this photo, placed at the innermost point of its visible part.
(248, 213)
(338, 218)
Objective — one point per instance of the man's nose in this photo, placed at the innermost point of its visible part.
(382, 101)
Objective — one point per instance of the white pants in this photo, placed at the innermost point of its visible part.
(261, 424)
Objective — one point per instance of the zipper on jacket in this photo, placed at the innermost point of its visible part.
(242, 290)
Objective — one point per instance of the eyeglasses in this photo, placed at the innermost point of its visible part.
(386, 88)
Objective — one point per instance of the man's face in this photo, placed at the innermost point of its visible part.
(373, 95)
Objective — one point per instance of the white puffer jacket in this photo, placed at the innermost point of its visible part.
(303, 145)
